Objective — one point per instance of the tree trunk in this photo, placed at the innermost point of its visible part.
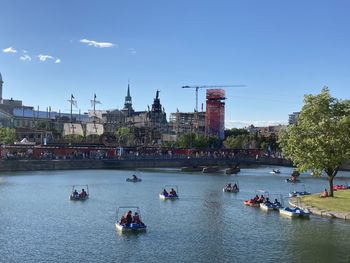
(330, 179)
(331, 174)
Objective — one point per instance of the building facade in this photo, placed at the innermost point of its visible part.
(215, 113)
(187, 122)
(293, 118)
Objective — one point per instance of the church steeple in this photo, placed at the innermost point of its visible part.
(128, 102)
(128, 97)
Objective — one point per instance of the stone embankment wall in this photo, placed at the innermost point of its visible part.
(37, 165)
(316, 211)
(33, 165)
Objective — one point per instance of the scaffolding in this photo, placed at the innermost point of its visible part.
(187, 122)
(215, 113)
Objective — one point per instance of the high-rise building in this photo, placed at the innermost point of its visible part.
(215, 113)
(293, 118)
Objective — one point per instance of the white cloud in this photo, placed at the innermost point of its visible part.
(241, 124)
(25, 57)
(132, 51)
(57, 61)
(9, 50)
(44, 57)
(96, 44)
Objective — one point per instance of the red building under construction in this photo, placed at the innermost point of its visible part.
(215, 113)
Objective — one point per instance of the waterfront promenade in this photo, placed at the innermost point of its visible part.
(137, 162)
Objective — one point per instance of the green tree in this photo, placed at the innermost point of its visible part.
(125, 136)
(186, 140)
(235, 132)
(264, 145)
(201, 142)
(191, 140)
(241, 141)
(214, 142)
(7, 135)
(73, 138)
(321, 138)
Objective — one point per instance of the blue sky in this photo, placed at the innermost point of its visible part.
(280, 50)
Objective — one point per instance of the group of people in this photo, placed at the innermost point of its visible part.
(172, 193)
(275, 203)
(231, 187)
(258, 199)
(265, 200)
(128, 219)
(82, 194)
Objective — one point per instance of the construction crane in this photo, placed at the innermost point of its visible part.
(208, 87)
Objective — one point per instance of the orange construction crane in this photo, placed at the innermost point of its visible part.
(208, 87)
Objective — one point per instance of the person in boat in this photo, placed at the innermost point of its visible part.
(173, 192)
(267, 201)
(75, 193)
(134, 177)
(122, 220)
(255, 199)
(136, 219)
(276, 203)
(325, 193)
(261, 199)
(235, 187)
(128, 218)
(165, 193)
(82, 194)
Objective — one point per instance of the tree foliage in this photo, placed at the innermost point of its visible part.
(251, 141)
(191, 140)
(235, 132)
(7, 135)
(237, 142)
(73, 138)
(321, 138)
(125, 136)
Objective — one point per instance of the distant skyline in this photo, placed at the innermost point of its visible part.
(280, 50)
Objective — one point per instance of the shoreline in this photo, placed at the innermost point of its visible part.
(137, 163)
(297, 201)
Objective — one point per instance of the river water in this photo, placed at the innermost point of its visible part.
(38, 223)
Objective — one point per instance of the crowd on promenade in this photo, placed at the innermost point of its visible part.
(134, 154)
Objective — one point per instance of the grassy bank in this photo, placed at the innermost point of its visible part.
(339, 203)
